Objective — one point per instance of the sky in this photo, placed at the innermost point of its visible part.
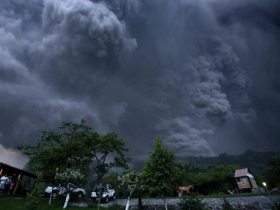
(202, 75)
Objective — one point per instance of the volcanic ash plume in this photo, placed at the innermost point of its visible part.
(190, 72)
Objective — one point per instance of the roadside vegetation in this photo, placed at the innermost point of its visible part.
(75, 147)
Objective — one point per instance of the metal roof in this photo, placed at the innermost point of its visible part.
(17, 170)
(241, 172)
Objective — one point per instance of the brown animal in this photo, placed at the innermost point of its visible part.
(186, 189)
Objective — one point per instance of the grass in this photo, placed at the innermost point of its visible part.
(238, 195)
(17, 203)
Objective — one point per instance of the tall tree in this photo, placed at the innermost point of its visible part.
(68, 177)
(76, 146)
(132, 181)
(272, 174)
(65, 149)
(105, 146)
(160, 173)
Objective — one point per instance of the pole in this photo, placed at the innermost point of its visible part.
(270, 198)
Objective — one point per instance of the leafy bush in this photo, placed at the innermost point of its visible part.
(214, 180)
(33, 198)
(122, 192)
(192, 202)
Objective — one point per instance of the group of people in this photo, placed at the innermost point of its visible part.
(6, 184)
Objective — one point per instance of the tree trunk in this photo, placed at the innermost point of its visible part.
(98, 205)
(140, 204)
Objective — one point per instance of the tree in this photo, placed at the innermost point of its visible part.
(160, 172)
(185, 171)
(33, 198)
(102, 147)
(77, 147)
(132, 181)
(273, 172)
(214, 179)
(112, 179)
(68, 177)
(193, 202)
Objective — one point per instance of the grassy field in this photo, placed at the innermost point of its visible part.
(17, 203)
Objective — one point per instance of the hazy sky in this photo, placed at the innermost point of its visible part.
(201, 74)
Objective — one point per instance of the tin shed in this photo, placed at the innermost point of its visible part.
(245, 180)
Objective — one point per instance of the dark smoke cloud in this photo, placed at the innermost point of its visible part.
(202, 75)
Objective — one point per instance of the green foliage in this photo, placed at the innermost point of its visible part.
(131, 181)
(104, 145)
(32, 199)
(256, 161)
(122, 192)
(65, 149)
(111, 179)
(77, 147)
(273, 172)
(192, 202)
(214, 179)
(160, 173)
(131, 178)
(185, 170)
(69, 175)
(226, 205)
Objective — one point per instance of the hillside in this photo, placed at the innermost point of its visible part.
(256, 161)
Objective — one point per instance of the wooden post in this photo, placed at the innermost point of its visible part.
(17, 184)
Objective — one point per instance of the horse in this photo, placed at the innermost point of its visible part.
(186, 189)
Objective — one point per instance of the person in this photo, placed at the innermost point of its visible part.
(7, 185)
(11, 187)
(3, 181)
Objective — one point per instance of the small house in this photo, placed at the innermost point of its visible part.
(245, 180)
(16, 175)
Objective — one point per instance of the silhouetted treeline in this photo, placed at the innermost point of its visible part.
(256, 161)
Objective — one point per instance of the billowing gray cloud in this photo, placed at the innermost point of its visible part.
(202, 75)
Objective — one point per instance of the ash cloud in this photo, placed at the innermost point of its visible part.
(202, 75)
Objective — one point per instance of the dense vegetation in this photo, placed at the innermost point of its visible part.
(256, 161)
(78, 148)
(264, 165)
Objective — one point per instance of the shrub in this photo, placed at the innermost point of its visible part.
(192, 202)
(32, 199)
